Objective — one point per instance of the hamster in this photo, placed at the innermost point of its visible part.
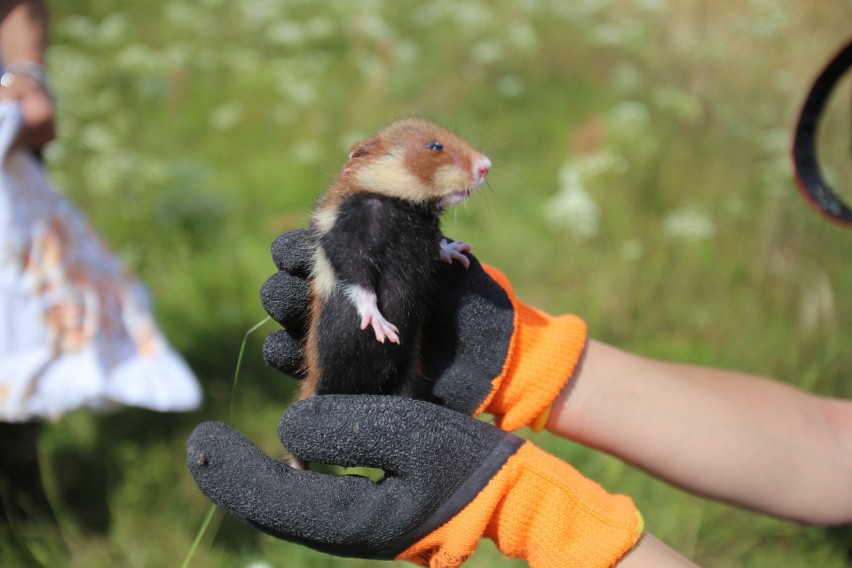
(378, 245)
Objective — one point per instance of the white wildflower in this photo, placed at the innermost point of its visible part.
(427, 14)
(112, 29)
(629, 114)
(375, 27)
(774, 140)
(55, 153)
(530, 5)
(407, 53)
(523, 37)
(107, 100)
(472, 16)
(320, 28)
(771, 19)
(80, 28)
(486, 52)
(284, 114)
(677, 102)
(817, 309)
(107, 173)
(510, 86)
(627, 33)
(629, 123)
(299, 92)
(289, 34)
(208, 59)
(154, 171)
(242, 60)
(631, 249)
(179, 54)
(580, 12)
(573, 206)
(574, 209)
(226, 116)
(257, 13)
(307, 151)
(690, 222)
(626, 77)
(610, 34)
(139, 58)
(775, 174)
(97, 137)
(181, 14)
(659, 7)
(72, 74)
(369, 65)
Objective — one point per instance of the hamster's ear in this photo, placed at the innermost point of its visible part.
(362, 148)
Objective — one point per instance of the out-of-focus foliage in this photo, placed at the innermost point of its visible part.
(641, 180)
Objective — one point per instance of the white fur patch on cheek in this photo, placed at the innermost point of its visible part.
(451, 178)
(388, 176)
(323, 275)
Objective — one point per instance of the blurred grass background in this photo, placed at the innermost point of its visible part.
(641, 180)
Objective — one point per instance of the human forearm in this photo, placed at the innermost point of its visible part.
(23, 39)
(23, 31)
(650, 552)
(740, 438)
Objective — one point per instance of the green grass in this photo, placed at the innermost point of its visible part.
(192, 133)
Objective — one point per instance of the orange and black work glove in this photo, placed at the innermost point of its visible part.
(449, 480)
(484, 350)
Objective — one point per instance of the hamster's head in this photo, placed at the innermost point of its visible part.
(417, 160)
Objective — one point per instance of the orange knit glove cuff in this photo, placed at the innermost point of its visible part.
(541, 509)
(543, 353)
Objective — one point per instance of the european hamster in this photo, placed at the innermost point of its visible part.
(378, 242)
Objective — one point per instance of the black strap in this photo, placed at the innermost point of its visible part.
(808, 176)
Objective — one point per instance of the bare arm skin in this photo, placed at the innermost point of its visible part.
(23, 39)
(650, 552)
(23, 31)
(743, 439)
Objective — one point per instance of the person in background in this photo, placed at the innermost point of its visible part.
(78, 330)
(23, 39)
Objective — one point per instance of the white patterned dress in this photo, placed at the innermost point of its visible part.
(76, 329)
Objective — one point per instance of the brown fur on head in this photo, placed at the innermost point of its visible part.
(415, 160)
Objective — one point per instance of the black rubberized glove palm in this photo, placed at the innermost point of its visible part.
(435, 461)
(465, 340)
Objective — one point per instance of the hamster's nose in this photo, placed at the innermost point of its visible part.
(482, 166)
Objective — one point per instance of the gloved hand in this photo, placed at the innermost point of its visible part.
(484, 350)
(449, 480)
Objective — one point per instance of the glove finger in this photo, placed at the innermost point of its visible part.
(284, 350)
(435, 460)
(404, 437)
(478, 311)
(344, 515)
(292, 252)
(286, 298)
(462, 385)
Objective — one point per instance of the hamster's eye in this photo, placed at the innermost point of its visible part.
(434, 146)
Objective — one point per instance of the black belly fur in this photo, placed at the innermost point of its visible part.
(390, 246)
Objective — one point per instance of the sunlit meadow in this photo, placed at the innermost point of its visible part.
(641, 180)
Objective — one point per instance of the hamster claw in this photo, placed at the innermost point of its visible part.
(381, 327)
(452, 250)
